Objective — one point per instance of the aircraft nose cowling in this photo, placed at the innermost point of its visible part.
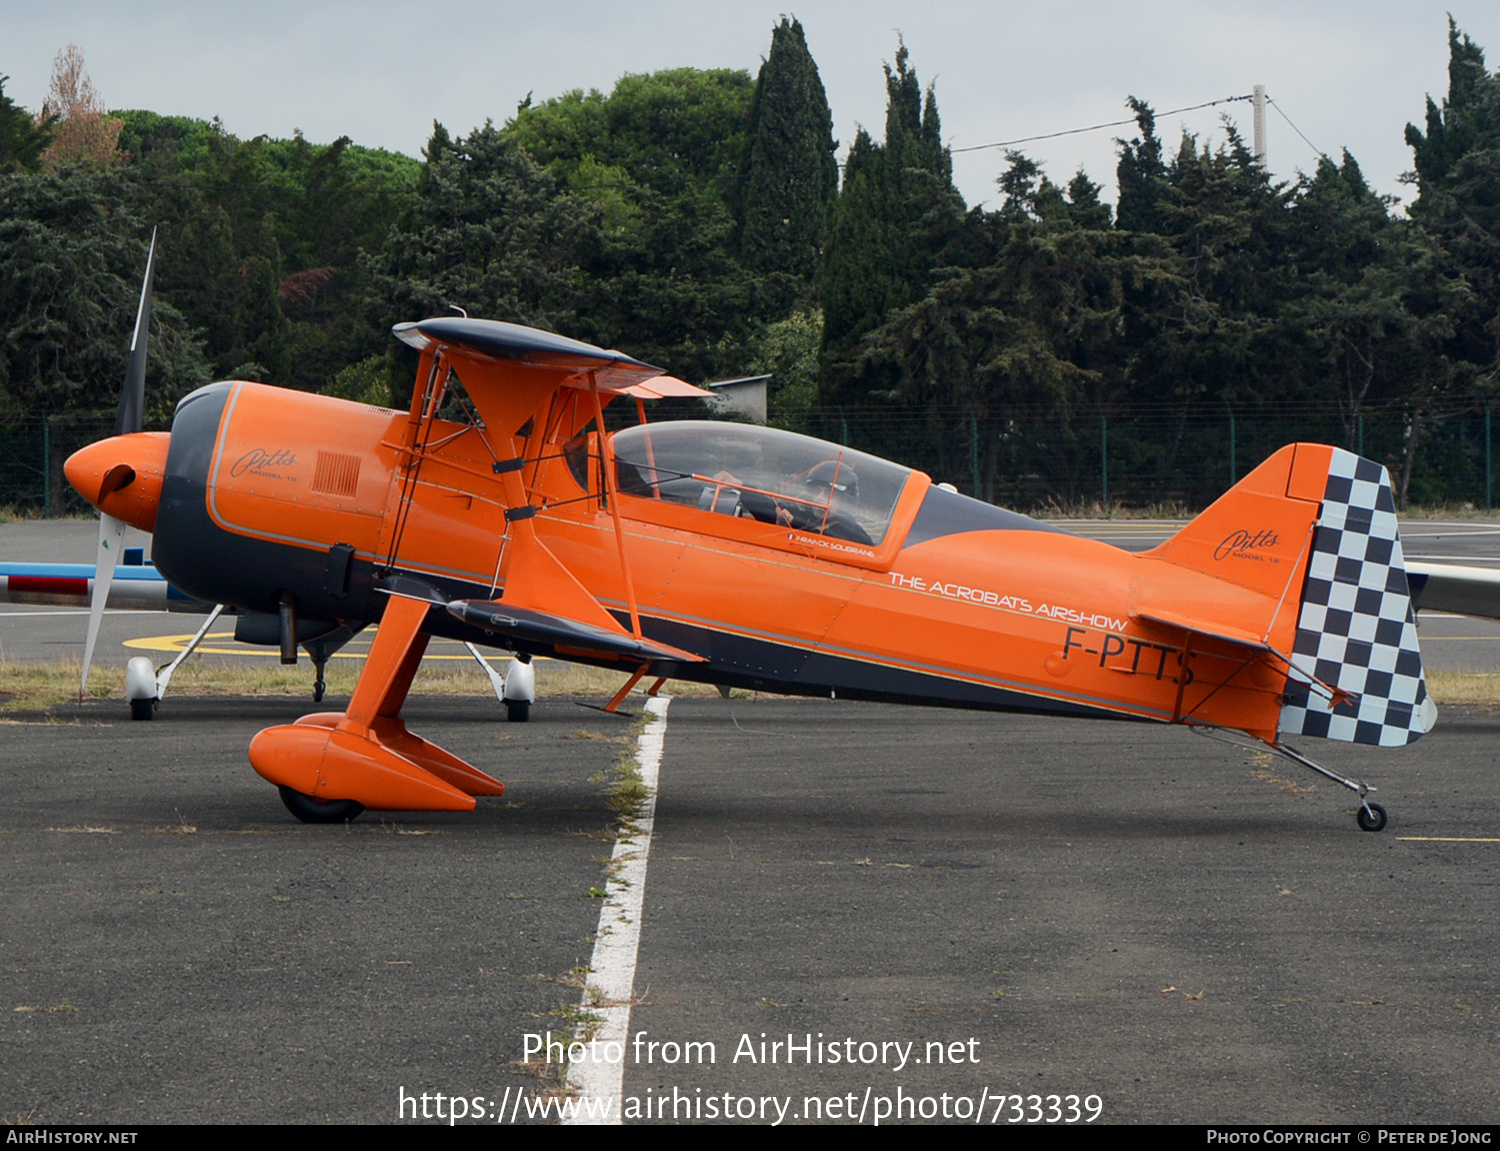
(122, 476)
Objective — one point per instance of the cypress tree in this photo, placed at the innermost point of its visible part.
(788, 175)
(897, 210)
(1142, 175)
(1458, 200)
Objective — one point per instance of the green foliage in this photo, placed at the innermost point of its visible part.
(788, 176)
(690, 218)
(896, 213)
(676, 132)
(1458, 180)
(72, 252)
(22, 139)
(787, 351)
(490, 231)
(367, 382)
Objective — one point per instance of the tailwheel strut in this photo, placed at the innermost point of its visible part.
(1370, 816)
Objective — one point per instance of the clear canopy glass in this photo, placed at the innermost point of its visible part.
(761, 473)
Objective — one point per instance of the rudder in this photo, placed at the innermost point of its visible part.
(1356, 630)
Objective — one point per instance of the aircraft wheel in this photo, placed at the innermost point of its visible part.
(518, 710)
(1371, 820)
(142, 708)
(318, 688)
(310, 810)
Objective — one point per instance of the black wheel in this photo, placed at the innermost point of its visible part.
(310, 810)
(318, 688)
(1371, 820)
(142, 708)
(518, 710)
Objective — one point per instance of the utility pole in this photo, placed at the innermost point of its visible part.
(1260, 125)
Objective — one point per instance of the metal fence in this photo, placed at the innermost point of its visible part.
(32, 453)
(1149, 457)
(1123, 458)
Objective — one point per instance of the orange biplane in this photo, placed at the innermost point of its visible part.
(500, 510)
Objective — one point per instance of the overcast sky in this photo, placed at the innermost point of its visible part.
(1348, 74)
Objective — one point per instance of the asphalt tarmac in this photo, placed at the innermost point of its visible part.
(1167, 928)
(1188, 931)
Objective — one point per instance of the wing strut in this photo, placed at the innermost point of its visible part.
(606, 461)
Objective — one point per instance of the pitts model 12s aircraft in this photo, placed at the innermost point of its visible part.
(498, 510)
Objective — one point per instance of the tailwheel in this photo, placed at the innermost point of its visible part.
(310, 810)
(1370, 817)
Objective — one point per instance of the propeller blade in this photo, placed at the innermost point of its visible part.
(111, 540)
(133, 392)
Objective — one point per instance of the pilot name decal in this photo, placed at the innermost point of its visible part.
(1145, 658)
(829, 545)
(259, 462)
(1008, 602)
(1241, 543)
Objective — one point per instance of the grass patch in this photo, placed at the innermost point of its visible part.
(40, 686)
(1481, 689)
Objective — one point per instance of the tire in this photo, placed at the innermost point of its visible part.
(142, 708)
(518, 710)
(310, 810)
(1365, 820)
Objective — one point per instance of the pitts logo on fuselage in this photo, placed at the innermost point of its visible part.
(260, 462)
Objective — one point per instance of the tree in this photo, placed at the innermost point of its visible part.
(83, 131)
(1141, 175)
(1020, 337)
(23, 138)
(896, 213)
(490, 231)
(788, 176)
(72, 251)
(1457, 162)
(677, 132)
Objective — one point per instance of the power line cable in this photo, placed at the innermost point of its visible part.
(1099, 127)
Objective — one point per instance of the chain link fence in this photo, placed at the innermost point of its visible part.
(32, 453)
(1145, 458)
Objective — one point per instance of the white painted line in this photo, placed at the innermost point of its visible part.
(611, 984)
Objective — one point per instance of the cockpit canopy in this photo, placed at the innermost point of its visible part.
(762, 473)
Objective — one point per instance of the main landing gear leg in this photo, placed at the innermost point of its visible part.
(333, 763)
(1370, 816)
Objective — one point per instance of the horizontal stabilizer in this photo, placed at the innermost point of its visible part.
(1213, 629)
(533, 626)
(1452, 587)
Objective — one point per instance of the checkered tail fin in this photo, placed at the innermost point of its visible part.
(1356, 631)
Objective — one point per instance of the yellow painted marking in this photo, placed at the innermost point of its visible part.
(1447, 839)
